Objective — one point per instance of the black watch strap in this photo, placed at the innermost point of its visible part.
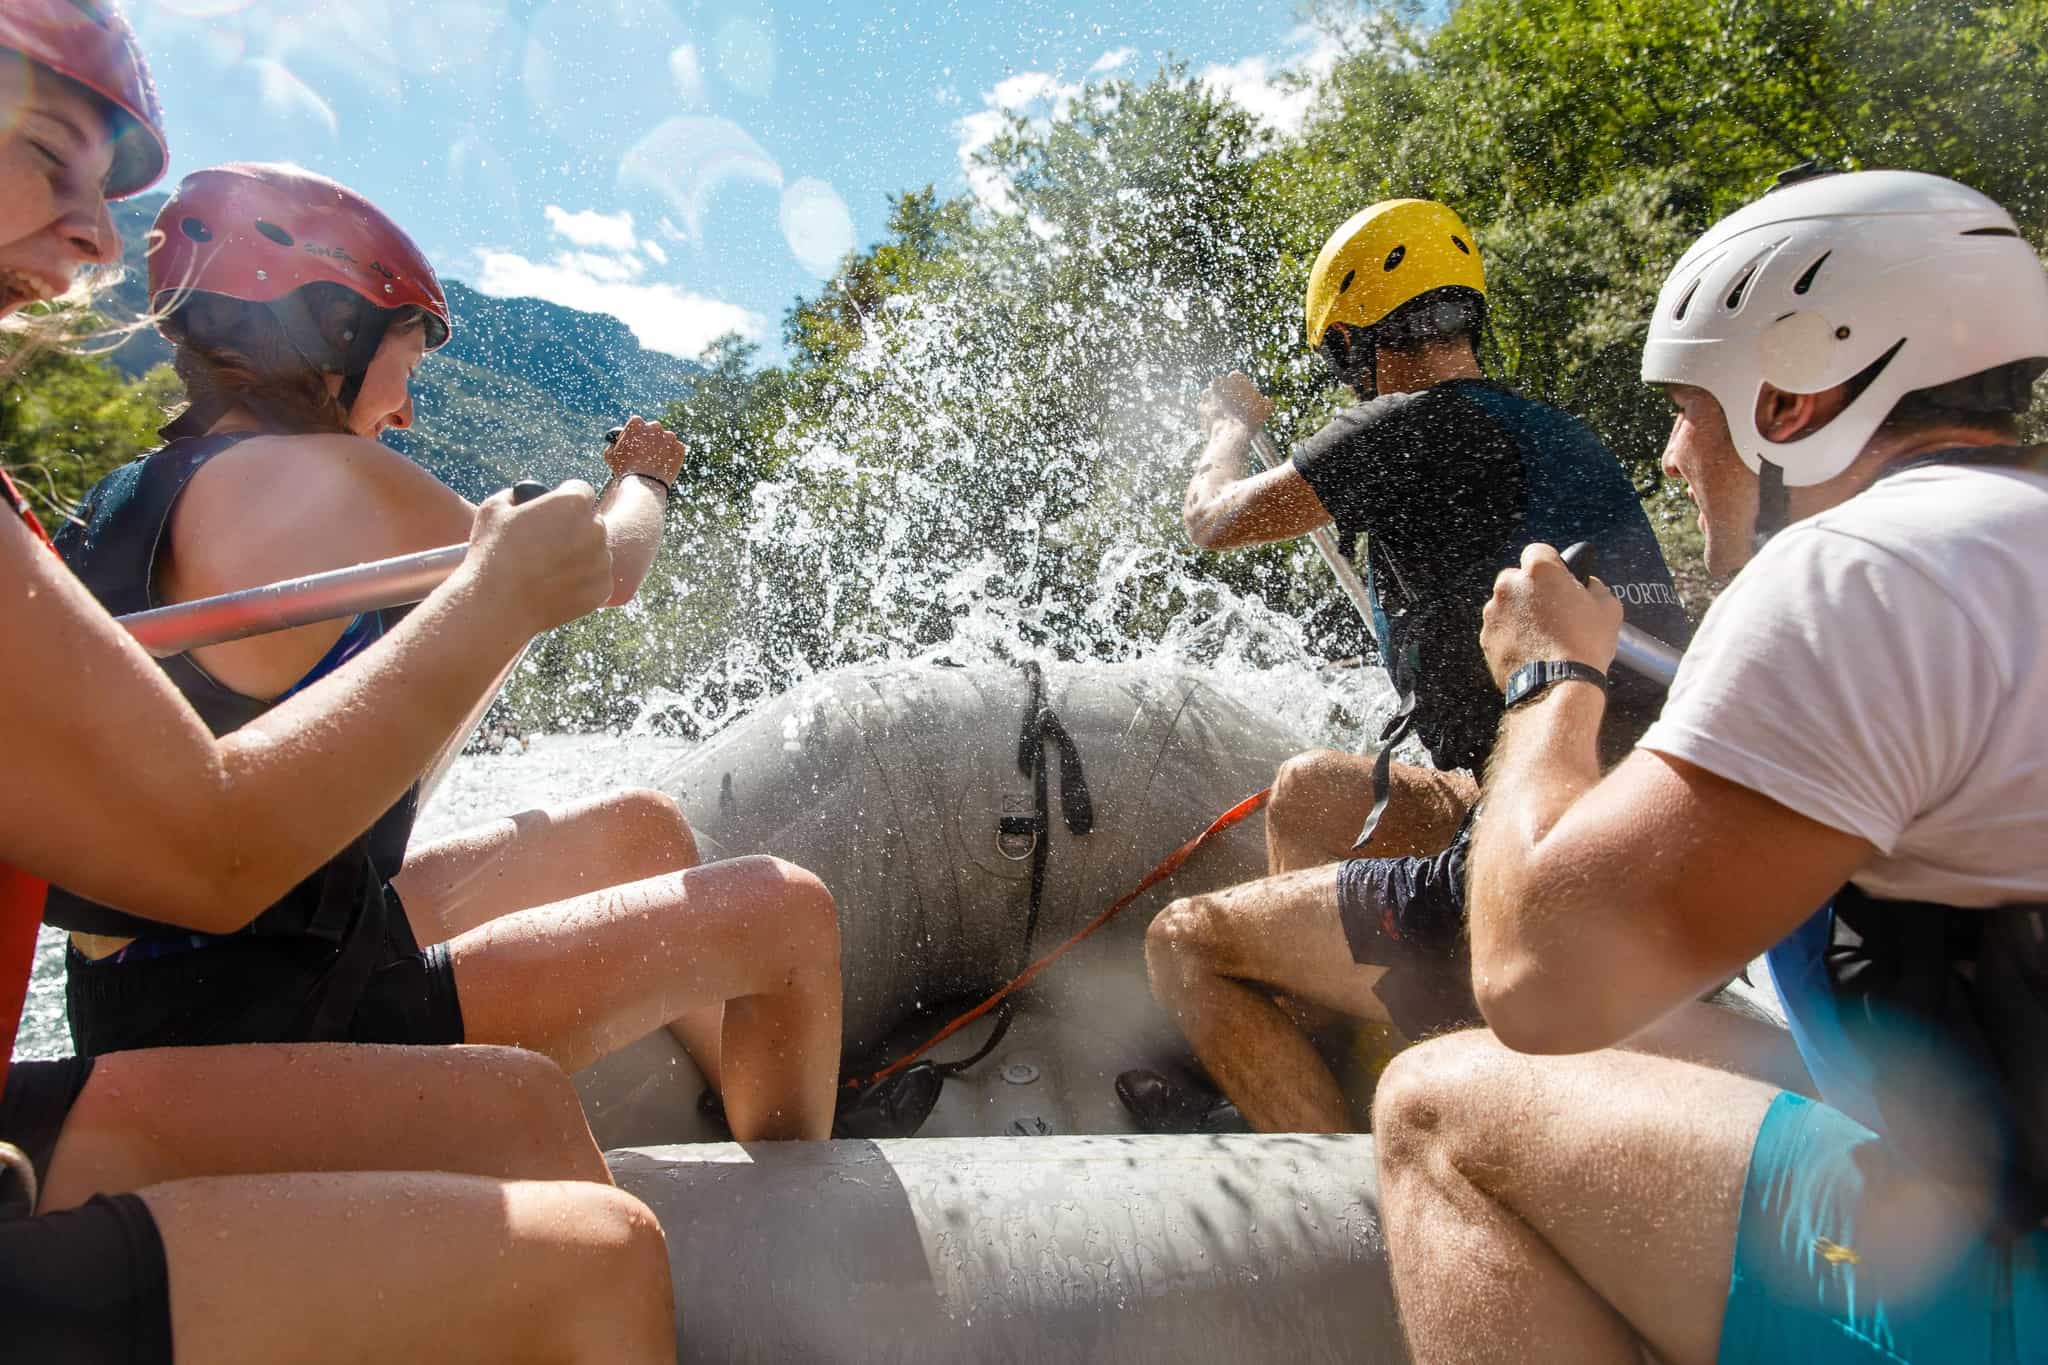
(1531, 680)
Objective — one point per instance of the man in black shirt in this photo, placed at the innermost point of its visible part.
(1444, 475)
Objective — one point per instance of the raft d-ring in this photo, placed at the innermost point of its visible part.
(12, 1158)
(1017, 837)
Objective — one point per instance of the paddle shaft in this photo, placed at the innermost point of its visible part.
(396, 582)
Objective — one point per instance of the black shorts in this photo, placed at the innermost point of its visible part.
(1408, 915)
(88, 1286)
(33, 1106)
(253, 989)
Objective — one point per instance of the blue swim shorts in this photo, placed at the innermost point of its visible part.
(1835, 1262)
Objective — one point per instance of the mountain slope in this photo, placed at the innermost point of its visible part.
(525, 388)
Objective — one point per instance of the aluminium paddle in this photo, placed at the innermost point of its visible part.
(396, 582)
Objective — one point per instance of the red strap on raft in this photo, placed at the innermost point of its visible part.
(1238, 813)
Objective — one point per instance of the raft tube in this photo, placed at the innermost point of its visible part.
(1068, 1249)
(892, 785)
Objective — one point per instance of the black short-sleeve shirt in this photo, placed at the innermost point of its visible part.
(1447, 485)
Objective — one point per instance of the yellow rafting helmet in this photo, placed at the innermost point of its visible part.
(1391, 254)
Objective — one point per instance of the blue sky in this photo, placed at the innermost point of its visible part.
(690, 166)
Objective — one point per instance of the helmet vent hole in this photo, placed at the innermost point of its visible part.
(196, 230)
(1348, 278)
(1991, 232)
(1741, 286)
(1395, 257)
(274, 232)
(1806, 280)
(1459, 242)
(1678, 313)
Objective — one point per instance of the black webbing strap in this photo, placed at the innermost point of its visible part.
(1773, 503)
(1077, 812)
(1396, 729)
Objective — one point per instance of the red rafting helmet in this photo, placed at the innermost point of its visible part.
(260, 233)
(89, 44)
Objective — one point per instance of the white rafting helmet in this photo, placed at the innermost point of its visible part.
(1818, 281)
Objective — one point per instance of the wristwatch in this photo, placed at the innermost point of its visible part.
(1531, 680)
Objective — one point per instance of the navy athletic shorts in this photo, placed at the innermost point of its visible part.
(1408, 915)
(88, 1284)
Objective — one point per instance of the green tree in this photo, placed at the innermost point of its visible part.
(67, 418)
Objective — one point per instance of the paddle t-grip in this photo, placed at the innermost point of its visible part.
(526, 490)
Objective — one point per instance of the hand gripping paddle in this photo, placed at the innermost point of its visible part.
(1636, 650)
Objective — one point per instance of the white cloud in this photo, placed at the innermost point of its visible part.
(663, 316)
(286, 96)
(1113, 60)
(602, 266)
(1037, 97)
(610, 231)
(1278, 91)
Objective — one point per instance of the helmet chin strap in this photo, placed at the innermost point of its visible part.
(362, 349)
(1773, 503)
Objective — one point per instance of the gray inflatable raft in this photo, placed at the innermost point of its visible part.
(1018, 1225)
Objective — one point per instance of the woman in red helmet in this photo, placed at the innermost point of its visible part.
(242, 1169)
(297, 312)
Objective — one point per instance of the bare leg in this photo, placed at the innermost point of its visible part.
(1217, 960)
(578, 979)
(176, 1113)
(1561, 1208)
(540, 856)
(346, 1268)
(1321, 800)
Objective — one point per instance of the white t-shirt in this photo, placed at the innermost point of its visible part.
(1882, 668)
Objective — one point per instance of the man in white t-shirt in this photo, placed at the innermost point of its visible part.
(1861, 724)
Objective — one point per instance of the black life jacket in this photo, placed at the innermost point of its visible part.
(114, 548)
(1928, 1023)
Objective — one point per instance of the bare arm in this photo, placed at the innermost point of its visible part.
(1224, 509)
(116, 788)
(633, 507)
(1598, 905)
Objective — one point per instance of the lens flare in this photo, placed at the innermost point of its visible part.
(817, 226)
(687, 159)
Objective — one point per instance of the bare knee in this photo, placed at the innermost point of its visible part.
(1306, 786)
(532, 1102)
(1189, 936)
(626, 1305)
(1422, 1103)
(801, 914)
(648, 829)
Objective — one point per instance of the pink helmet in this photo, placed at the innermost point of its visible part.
(88, 43)
(259, 233)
